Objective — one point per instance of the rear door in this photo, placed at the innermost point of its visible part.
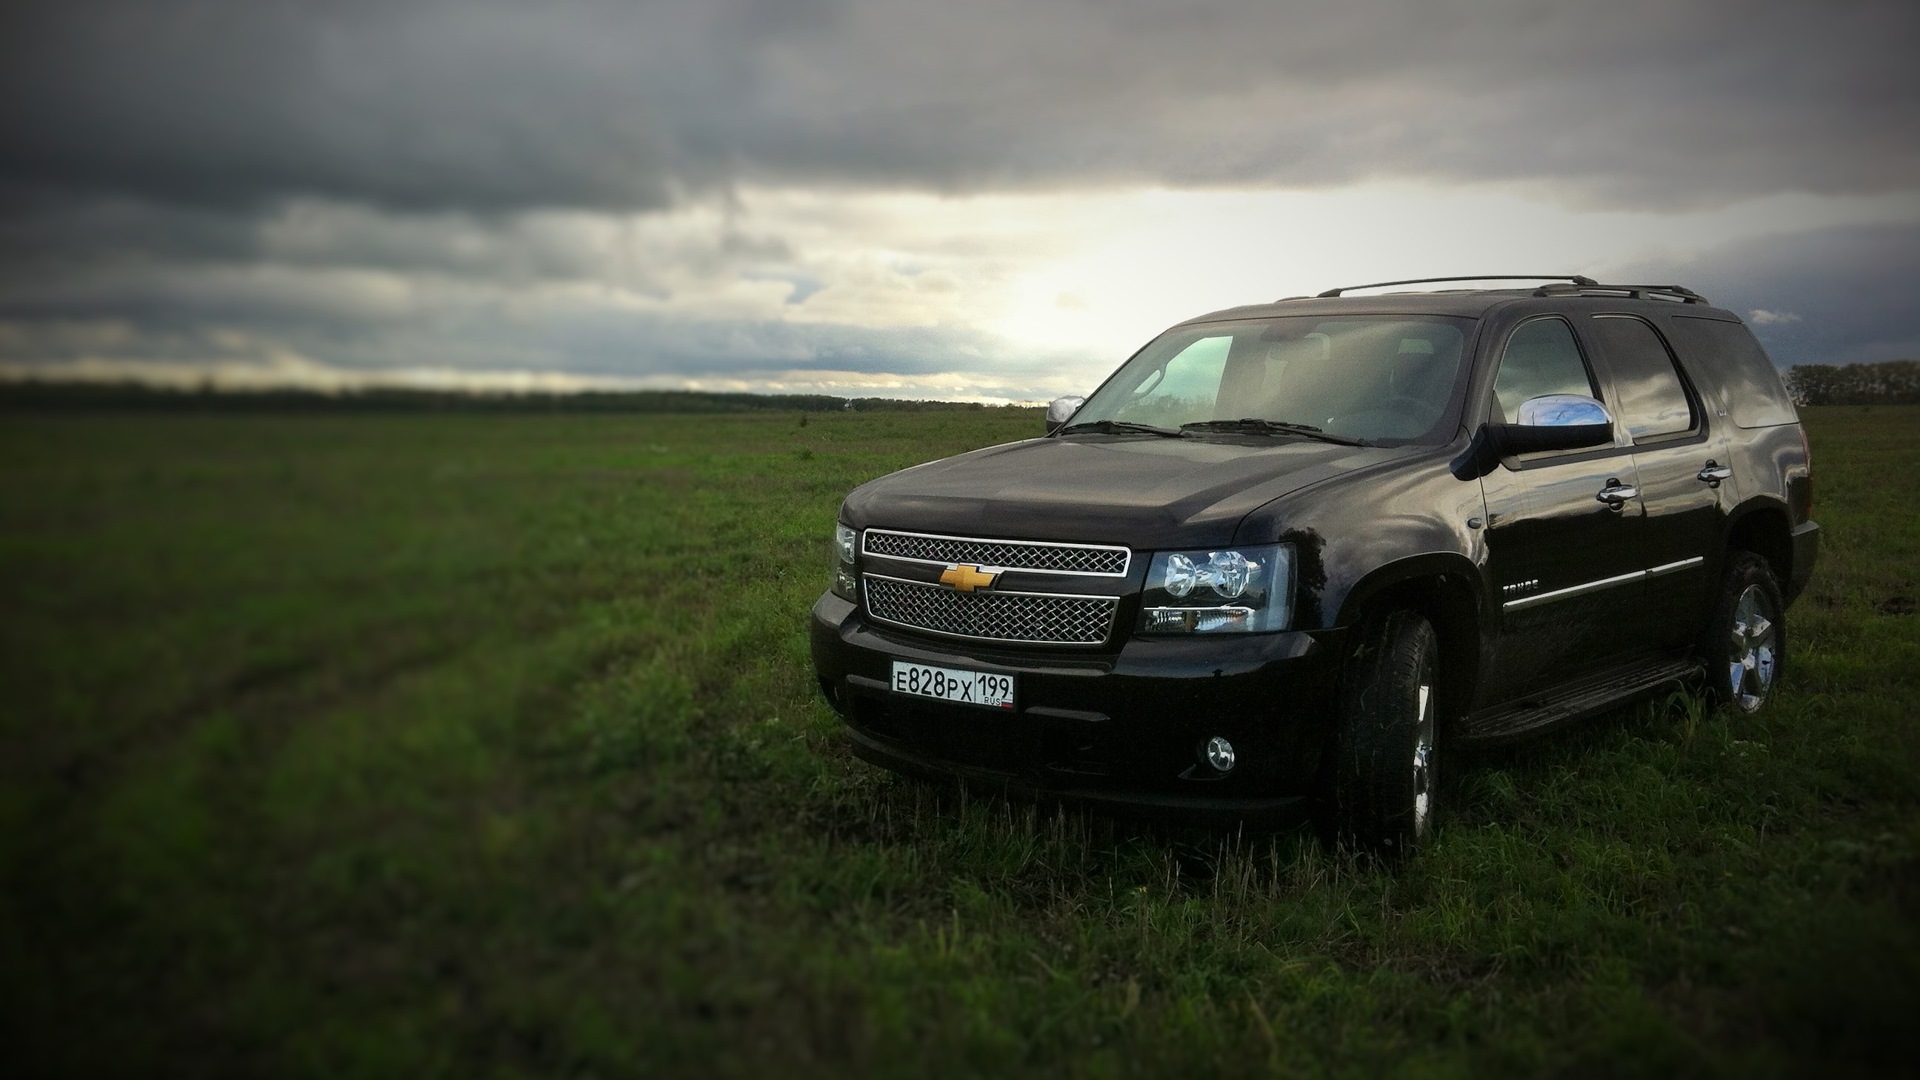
(1683, 468)
(1563, 563)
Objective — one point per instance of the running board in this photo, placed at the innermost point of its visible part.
(1588, 697)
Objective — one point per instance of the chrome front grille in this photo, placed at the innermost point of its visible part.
(1093, 560)
(1030, 618)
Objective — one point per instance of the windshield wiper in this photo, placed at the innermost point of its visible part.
(1254, 425)
(1122, 427)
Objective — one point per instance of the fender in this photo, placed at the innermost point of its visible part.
(1429, 565)
(1378, 528)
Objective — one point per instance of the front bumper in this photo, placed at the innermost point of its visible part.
(1121, 729)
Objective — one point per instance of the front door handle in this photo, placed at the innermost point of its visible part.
(1616, 494)
(1714, 472)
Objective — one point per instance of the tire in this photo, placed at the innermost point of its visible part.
(1384, 777)
(1745, 645)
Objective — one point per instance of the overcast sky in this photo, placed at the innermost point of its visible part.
(988, 199)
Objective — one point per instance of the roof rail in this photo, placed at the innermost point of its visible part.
(1634, 292)
(1576, 279)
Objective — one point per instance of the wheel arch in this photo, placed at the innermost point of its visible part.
(1442, 587)
(1764, 527)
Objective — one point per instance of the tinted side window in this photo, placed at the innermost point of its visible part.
(1541, 358)
(1755, 395)
(1653, 400)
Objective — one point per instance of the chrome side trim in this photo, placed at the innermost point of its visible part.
(1604, 583)
(1675, 567)
(1573, 590)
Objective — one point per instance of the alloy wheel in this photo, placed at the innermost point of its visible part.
(1751, 651)
(1423, 764)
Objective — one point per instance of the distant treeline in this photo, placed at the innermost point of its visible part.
(38, 395)
(1896, 382)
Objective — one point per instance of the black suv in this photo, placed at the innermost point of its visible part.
(1289, 555)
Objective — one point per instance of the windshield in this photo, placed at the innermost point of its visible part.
(1377, 378)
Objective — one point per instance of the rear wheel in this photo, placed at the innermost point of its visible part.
(1385, 769)
(1746, 641)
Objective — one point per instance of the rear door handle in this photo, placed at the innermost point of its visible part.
(1713, 473)
(1616, 494)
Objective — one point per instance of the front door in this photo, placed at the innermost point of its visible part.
(1562, 560)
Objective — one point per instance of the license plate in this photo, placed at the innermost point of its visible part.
(948, 684)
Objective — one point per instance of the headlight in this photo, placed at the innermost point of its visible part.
(846, 542)
(1221, 591)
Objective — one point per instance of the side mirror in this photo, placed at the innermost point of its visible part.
(1550, 422)
(1061, 409)
(1556, 422)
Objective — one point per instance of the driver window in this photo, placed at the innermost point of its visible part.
(1541, 358)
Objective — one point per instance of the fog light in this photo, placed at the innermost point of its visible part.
(1220, 754)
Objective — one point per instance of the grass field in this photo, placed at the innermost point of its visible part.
(479, 746)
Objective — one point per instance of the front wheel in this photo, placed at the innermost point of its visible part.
(1384, 775)
(1746, 641)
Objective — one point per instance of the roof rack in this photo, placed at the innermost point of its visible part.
(1576, 279)
(1635, 292)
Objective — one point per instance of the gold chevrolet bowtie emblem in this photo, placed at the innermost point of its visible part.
(967, 578)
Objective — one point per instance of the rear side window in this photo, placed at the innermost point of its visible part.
(1541, 359)
(1754, 394)
(1653, 400)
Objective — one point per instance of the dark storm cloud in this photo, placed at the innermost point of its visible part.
(435, 183)
(622, 105)
(58, 244)
(415, 106)
(1831, 296)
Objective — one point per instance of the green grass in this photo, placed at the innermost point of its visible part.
(487, 746)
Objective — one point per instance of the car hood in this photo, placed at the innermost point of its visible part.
(1141, 491)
